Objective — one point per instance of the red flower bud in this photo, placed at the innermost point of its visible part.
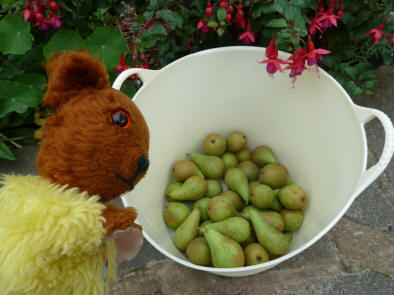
(223, 4)
(54, 6)
(39, 17)
(230, 9)
(228, 18)
(208, 12)
(166, 26)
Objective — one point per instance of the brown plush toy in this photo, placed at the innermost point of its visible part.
(58, 234)
(96, 139)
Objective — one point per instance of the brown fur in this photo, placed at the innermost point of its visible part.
(81, 146)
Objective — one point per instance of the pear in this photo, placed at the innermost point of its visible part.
(261, 195)
(250, 240)
(175, 214)
(251, 170)
(292, 196)
(289, 235)
(255, 254)
(194, 188)
(202, 227)
(235, 198)
(235, 228)
(244, 155)
(229, 160)
(183, 169)
(274, 175)
(269, 237)
(220, 208)
(263, 155)
(214, 144)
(236, 141)
(276, 205)
(293, 219)
(272, 217)
(236, 180)
(202, 204)
(214, 188)
(172, 186)
(188, 230)
(225, 252)
(211, 166)
(198, 252)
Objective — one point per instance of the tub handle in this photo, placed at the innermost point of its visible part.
(145, 75)
(364, 115)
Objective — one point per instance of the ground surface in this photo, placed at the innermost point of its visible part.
(355, 257)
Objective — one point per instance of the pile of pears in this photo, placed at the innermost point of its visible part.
(232, 207)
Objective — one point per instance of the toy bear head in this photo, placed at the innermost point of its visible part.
(95, 139)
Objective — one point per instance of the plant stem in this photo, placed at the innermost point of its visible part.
(10, 140)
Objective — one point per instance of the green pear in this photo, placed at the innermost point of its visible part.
(293, 219)
(263, 155)
(261, 195)
(235, 198)
(220, 208)
(269, 237)
(289, 235)
(183, 169)
(235, 228)
(292, 196)
(214, 144)
(194, 188)
(203, 205)
(175, 214)
(274, 175)
(236, 180)
(272, 217)
(236, 141)
(172, 186)
(255, 254)
(202, 227)
(229, 160)
(252, 239)
(275, 205)
(211, 166)
(251, 170)
(198, 252)
(225, 252)
(214, 188)
(244, 155)
(188, 230)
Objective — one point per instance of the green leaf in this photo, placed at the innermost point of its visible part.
(220, 32)
(31, 79)
(277, 23)
(212, 24)
(16, 97)
(266, 9)
(360, 67)
(173, 19)
(357, 91)
(158, 29)
(148, 15)
(14, 119)
(15, 37)
(367, 75)
(5, 152)
(351, 71)
(63, 41)
(163, 48)
(148, 40)
(107, 44)
(370, 83)
(222, 14)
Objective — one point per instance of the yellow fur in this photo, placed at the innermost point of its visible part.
(50, 239)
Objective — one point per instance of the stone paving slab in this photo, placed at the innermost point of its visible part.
(355, 257)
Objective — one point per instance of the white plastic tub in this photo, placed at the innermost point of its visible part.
(315, 130)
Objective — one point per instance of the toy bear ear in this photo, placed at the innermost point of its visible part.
(70, 72)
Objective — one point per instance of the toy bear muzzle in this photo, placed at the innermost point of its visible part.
(142, 166)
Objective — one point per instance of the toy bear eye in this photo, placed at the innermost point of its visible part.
(121, 118)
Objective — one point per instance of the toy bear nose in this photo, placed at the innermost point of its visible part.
(143, 163)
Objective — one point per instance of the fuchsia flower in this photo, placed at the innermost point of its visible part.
(208, 10)
(122, 66)
(297, 65)
(247, 37)
(376, 34)
(272, 61)
(315, 55)
(328, 19)
(202, 25)
(314, 25)
(239, 19)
